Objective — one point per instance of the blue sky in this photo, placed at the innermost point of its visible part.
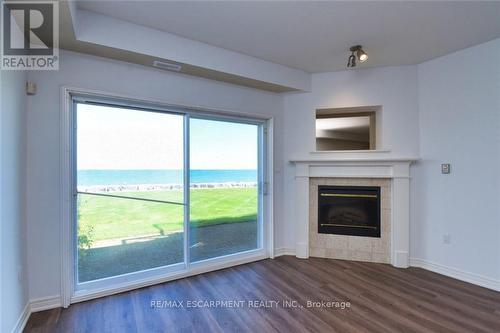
(114, 138)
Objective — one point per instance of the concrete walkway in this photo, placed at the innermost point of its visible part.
(206, 242)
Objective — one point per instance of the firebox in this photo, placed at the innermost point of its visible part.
(349, 210)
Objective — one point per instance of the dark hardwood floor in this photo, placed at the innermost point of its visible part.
(382, 299)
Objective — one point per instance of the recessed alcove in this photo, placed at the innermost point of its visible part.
(347, 129)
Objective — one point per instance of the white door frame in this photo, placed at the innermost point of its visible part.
(153, 276)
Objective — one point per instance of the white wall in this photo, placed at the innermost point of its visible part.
(14, 286)
(43, 139)
(459, 98)
(393, 88)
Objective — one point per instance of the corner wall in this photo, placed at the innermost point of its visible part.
(13, 269)
(446, 110)
(459, 115)
(392, 88)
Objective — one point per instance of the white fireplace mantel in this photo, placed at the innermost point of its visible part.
(396, 169)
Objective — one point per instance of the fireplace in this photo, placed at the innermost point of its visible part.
(349, 210)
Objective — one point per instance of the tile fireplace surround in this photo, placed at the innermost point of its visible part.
(392, 175)
(371, 249)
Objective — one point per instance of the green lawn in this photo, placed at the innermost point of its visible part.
(116, 218)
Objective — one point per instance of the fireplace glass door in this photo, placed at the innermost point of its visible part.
(349, 210)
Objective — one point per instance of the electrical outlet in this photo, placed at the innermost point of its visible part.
(445, 168)
(446, 239)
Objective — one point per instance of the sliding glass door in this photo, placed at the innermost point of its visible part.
(130, 190)
(224, 173)
(158, 190)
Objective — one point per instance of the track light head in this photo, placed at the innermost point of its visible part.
(362, 56)
(356, 52)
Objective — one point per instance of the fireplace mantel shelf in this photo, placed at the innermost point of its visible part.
(323, 160)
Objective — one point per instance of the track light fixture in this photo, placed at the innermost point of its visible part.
(356, 52)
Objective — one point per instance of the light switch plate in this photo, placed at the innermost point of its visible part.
(445, 168)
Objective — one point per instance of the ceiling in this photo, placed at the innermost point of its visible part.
(315, 36)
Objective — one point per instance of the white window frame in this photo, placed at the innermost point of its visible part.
(102, 287)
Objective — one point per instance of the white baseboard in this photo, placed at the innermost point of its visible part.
(455, 273)
(23, 319)
(284, 251)
(35, 305)
(45, 303)
(400, 259)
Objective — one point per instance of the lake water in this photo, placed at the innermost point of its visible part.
(136, 177)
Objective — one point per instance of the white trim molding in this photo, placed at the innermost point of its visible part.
(455, 273)
(66, 228)
(396, 169)
(45, 303)
(284, 251)
(36, 305)
(23, 319)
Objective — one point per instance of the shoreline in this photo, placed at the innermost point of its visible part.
(162, 187)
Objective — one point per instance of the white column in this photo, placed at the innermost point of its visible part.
(400, 222)
(302, 211)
